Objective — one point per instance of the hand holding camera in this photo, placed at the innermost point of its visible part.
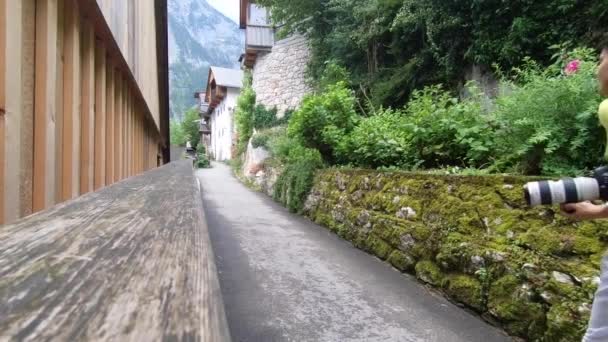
(574, 193)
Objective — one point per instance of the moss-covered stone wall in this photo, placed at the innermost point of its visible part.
(531, 270)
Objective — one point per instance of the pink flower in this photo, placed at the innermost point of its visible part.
(572, 67)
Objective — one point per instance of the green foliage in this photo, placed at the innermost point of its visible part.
(433, 131)
(265, 138)
(191, 126)
(186, 130)
(324, 119)
(548, 123)
(178, 137)
(202, 162)
(543, 123)
(393, 47)
(296, 180)
(263, 117)
(244, 114)
(381, 140)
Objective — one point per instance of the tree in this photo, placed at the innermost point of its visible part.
(191, 126)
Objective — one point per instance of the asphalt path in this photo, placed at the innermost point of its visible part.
(284, 278)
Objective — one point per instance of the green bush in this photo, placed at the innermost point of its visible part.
(186, 130)
(295, 182)
(265, 138)
(446, 131)
(433, 131)
(260, 140)
(202, 162)
(382, 140)
(325, 119)
(244, 114)
(548, 122)
(263, 117)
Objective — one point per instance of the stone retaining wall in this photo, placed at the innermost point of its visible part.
(531, 270)
(279, 76)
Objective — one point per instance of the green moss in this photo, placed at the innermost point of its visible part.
(510, 306)
(468, 224)
(466, 290)
(586, 246)
(378, 247)
(402, 261)
(429, 272)
(545, 240)
(564, 324)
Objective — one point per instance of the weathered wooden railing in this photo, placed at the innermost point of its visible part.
(132, 262)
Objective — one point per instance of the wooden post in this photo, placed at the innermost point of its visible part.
(87, 110)
(117, 118)
(58, 153)
(100, 114)
(109, 123)
(123, 134)
(24, 104)
(71, 103)
(45, 102)
(3, 35)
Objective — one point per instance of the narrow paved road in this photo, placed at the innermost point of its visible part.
(284, 278)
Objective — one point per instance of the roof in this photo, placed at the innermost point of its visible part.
(229, 78)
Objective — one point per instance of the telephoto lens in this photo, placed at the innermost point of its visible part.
(568, 190)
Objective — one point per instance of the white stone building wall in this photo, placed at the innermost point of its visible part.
(223, 127)
(279, 78)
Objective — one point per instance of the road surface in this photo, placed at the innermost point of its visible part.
(284, 278)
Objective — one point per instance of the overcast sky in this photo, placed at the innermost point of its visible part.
(229, 8)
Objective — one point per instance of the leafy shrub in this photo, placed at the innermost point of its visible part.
(381, 140)
(446, 131)
(263, 117)
(202, 162)
(244, 115)
(324, 119)
(186, 130)
(260, 140)
(295, 182)
(265, 137)
(434, 130)
(548, 123)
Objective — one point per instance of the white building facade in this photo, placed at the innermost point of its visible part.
(223, 89)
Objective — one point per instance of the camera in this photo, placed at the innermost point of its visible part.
(569, 190)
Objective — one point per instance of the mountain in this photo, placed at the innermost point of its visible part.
(199, 36)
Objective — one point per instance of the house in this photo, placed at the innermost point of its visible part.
(205, 127)
(278, 66)
(223, 89)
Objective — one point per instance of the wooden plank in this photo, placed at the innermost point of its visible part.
(109, 123)
(100, 115)
(58, 156)
(132, 262)
(117, 118)
(87, 110)
(45, 104)
(26, 99)
(3, 82)
(71, 103)
(123, 138)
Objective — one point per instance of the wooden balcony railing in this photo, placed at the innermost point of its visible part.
(259, 37)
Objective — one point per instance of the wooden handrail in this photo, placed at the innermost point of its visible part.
(130, 262)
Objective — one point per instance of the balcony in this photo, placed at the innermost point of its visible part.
(257, 38)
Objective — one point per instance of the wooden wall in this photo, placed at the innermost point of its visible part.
(133, 25)
(74, 115)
